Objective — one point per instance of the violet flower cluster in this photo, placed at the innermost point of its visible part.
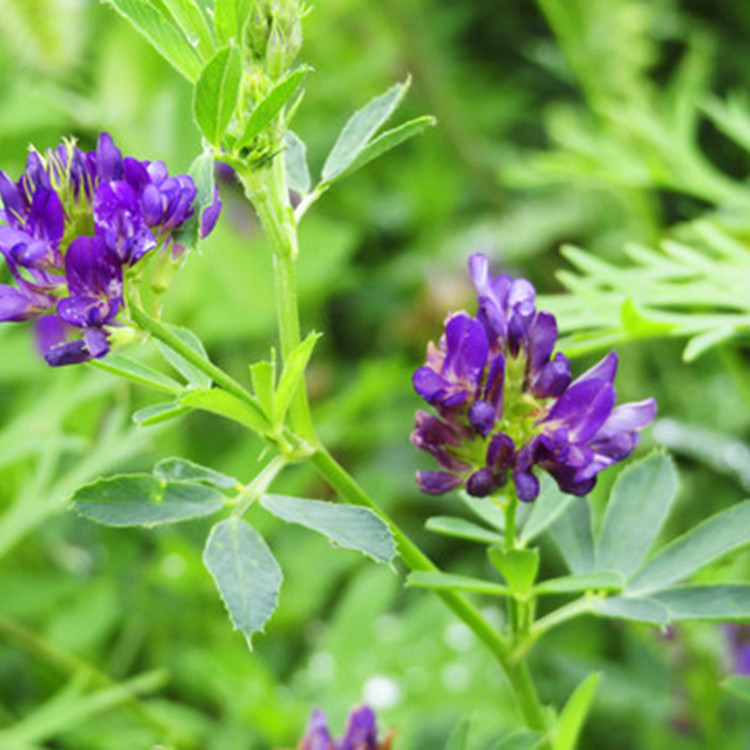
(71, 229)
(361, 733)
(507, 403)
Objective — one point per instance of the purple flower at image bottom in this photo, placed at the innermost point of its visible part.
(506, 403)
(361, 733)
(71, 228)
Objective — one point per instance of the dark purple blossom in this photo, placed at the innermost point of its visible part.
(507, 405)
(71, 228)
(361, 733)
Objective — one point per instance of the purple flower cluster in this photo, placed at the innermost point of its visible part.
(361, 733)
(72, 227)
(508, 404)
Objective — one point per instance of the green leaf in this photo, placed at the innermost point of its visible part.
(518, 566)
(295, 163)
(709, 541)
(738, 686)
(608, 580)
(270, 106)
(162, 34)
(226, 405)
(144, 500)
(193, 24)
(573, 716)
(159, 413)
(195, 377)
(385, 142)
(728, 602)
(638, 506)
(347, 526)
(360, 128)
(217, 92)
(263, 376)
(425, 579)
(462, 529)
(459, 737)
(180, 470)
(635, 609)
(230, 17)
(292, 375)
(485, 509)
(246, 574)
(572, 535)
(131, 369)
(547, 508)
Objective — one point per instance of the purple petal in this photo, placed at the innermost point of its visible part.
(527, 485)
(46, 216)
(605, 369)
(628, 417)
(583, 408)
(50, 330)
(493, 389)
(70, 353)
(210, 215)
(11, 197)
(542, 338)
(466, 348)
(482, 417)
(96, 342)
(552, 379)
(14, 305)
(500, 453)
(437, 482)
(361, 730)
(481, 483)
(108, 159)
(434, 431)
(429, 385)
(92, 269)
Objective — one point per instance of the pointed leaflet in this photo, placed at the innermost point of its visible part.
(180, 469)
(295, 163)
(246, 574)
(270, 106)
(581, 582)
(462, 529)
(360, 128)
(194, 26)
(550, 505)
(162, 34)
(292, 375)
(226, 405)
(572, 535)
(144, 500)
(347, 526)
(262, 375)
(131, 369)
(728, 602)
(230, 17)
(216, 93)
(159, 413)
(638, 506)
(385, 142)
(195, 377)
(711, 540)
(573, 716)
(635, 609)
(427, 579)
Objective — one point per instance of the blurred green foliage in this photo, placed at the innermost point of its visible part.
(591, 122)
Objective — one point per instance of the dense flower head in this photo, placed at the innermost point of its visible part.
(361, 733)
(506, 402)
(72, 227)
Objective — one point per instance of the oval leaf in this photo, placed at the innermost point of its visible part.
(181, 470)
(246, 574)
(572, 535)
(721, 603)
(574, 714)
(638, 506)
(462, 529)
(144, 500)
(347, 526)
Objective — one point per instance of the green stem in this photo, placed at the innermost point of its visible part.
(259, 485)
(517, 673)
(160, 331)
